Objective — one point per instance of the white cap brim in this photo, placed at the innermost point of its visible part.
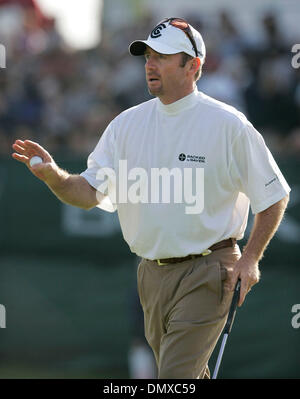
(138, 47)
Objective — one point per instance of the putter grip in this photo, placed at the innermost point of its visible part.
(232, 310)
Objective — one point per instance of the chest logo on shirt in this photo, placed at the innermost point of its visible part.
(191, 158)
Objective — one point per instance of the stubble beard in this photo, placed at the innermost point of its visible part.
(156, 92)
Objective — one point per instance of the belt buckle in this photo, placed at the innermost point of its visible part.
(161, 263)
(206, 252)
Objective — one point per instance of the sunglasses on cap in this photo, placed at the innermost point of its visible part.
(182, 24)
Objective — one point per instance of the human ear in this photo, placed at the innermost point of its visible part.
(195, 65)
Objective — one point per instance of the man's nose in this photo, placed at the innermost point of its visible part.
(150, 63)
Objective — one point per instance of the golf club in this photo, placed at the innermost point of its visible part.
(228, 325)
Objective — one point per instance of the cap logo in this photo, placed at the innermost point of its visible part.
(156, 31)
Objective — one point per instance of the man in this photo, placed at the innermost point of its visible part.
(190, 258)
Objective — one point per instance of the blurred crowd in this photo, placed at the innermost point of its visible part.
(64, 99)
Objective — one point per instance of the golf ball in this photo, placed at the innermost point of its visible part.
(35, 160)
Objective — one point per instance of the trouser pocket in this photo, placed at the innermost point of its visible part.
(222, 276)
(217, 275)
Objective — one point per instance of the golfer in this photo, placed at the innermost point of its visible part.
(190, 255)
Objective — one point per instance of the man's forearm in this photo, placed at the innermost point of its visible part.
(73, 190)
(265, 226)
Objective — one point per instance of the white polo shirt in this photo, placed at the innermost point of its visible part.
(196, 132)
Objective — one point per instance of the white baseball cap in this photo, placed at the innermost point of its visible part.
(166, 38)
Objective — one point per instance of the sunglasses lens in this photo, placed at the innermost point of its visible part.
(180, 24)
(183, 25)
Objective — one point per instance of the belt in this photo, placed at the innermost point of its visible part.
(230, 242)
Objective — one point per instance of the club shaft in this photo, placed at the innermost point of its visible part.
(228, 325)
(220, 356)
(233, 306)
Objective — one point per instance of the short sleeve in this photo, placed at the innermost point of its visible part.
(254, 171)
(100, 172)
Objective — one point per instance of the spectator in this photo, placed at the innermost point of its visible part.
(64, 99)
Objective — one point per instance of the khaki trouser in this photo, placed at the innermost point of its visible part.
(185, 309)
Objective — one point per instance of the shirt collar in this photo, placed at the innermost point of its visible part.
(179, 105)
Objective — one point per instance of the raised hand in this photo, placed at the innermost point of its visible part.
(25, 150)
